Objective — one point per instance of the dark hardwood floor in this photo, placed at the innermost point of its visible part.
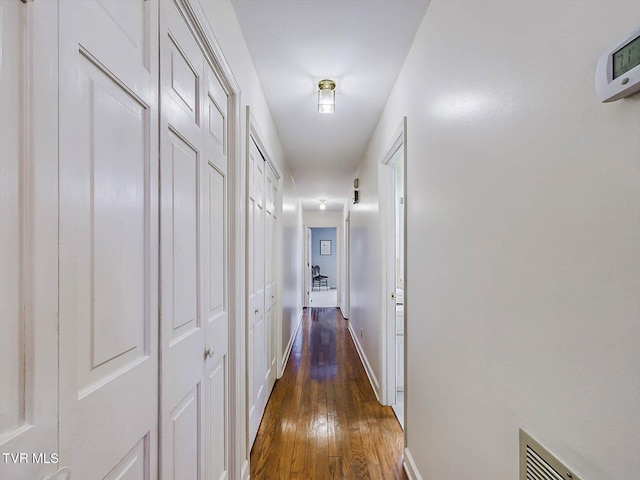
(323, 420)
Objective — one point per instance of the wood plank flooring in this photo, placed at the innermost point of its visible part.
(323, 420)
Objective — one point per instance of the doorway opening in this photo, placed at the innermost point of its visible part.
(324, 268)
(392, 204)
(398, 204)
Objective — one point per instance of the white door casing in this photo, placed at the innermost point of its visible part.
(308, 281)
(347, 266)
(108, 238)
(195, 424)
(28, 239)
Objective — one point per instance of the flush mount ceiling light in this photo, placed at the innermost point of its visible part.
(326, 96)
(322, 205)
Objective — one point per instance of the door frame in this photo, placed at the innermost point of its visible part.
(307, 266)
(336, 221)
(235, 211)
(346, 265)
(388, 278)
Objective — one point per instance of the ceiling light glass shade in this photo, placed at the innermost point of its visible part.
(326, 96)
(322, 205)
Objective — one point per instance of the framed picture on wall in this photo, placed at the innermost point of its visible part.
(325, 247)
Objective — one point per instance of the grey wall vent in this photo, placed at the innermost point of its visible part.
(538, 463)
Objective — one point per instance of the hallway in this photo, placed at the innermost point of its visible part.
(475, 186)
(323, 420)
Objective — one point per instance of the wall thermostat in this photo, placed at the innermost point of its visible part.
(618, 72)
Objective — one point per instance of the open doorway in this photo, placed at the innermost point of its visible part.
(324, 268)
(398, 204)
(392, 203)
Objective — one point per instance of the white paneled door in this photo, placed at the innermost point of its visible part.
(271, 273)
(115, 202)
(262, 285)
(194, 261)
(255, 290)
(28, 241)
(108, 238)
(215, 277)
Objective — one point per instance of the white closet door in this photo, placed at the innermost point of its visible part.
(215, 278)
(194, 259)
(257, 333)
(28, 242)
(262, 283)
(271, 275)
(108, 238)
(182, 330)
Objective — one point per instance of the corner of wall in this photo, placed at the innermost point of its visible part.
(410, 466)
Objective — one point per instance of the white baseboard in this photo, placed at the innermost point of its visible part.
(365, 362)
(287, 352)
(342, 313)
(410, 466)
(244, 474)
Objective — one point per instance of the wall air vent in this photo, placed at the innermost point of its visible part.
(538, 463)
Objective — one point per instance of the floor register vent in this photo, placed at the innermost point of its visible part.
(538, 463)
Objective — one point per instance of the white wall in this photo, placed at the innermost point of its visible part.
(365, 274)
(523, 218)
(292, 279)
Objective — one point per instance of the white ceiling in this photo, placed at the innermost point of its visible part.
(361, 45)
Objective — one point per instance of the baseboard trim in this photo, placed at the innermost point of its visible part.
(244, 473)
(287, 353)
(365, 362)
(342, 313)
(410, 466)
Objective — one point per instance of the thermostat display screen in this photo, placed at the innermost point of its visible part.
(626, 58)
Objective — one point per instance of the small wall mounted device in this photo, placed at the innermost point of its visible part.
(618, 71)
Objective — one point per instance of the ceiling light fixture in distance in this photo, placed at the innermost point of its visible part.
(322, 205)
(326, 96)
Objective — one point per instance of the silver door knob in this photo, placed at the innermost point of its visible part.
(256, 312)
(393, 295)
(208, 352)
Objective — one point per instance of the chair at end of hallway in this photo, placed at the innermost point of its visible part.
(318, 280)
